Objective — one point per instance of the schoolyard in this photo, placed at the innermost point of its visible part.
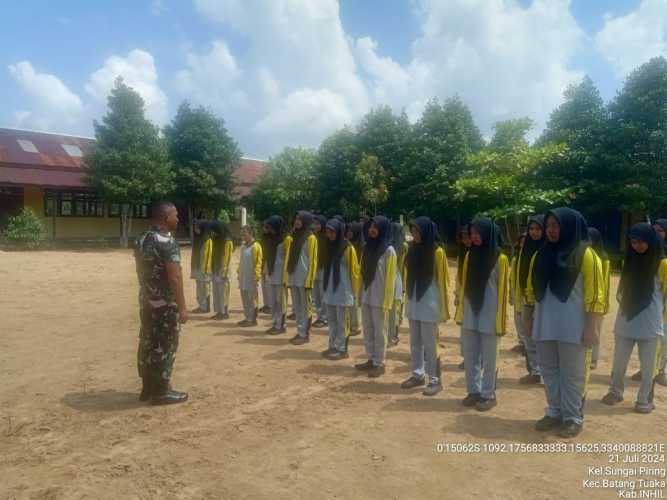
(265, 419)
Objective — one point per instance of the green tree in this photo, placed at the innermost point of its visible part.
(204, 156)
(287, 185)
(129, 163)
(371, 180)
(510, 134)
(25, 230)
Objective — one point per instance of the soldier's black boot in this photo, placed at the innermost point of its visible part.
(145, 389)
(164, 395)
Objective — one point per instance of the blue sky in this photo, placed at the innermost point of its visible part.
(290, 72)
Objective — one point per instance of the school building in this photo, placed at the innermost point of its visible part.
(44, 171)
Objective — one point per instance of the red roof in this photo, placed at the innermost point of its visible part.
(52, 166)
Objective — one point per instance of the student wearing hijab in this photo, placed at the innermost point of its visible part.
(378, 272)
(426, 304)
(200, 264)
(642, 294)
(340, 282)
(222, 249)
(534, 241)
(396, 312)
(564, 302)
(515, 292)
(249, 274)
(319, 224)
(484, 294)
(597, 245)
(277, 248)
(354, 234)
(464, 245)
(301, 267)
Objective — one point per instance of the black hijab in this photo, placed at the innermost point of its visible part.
(357, 243)
(334, 254)
(481, 261)
(398, 239)
(530, 246)
(198, 240)
(271, 241)
(663, 224)
(300, 236)
(321, 241)
(558, 265)
(219, 234)
(462, 248)
(639, 270)
(597, 244)
(374, 249)
(421, 257)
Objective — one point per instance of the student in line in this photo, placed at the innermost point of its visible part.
(464, 246)
(265, 309)
(660, 226)
(277, 251)
(534, 241)
(249, 274)
(564, 302)
(597, 245)
(642, 293)
(301, 267)
(222, 249)
(396, 312)
(319, 223)
(484, 294)
(515, 293)
(354, 234)
(340, 282)
(378, 272)
(200, 264)
(426, 304)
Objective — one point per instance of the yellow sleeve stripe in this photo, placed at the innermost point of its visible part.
(389, 282)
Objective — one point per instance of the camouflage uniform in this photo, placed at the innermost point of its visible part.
(160, 328)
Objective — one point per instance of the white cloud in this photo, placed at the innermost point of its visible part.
(631, 40)
(56, 104)
(139, 72)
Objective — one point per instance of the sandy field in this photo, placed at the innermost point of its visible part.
(265, 419)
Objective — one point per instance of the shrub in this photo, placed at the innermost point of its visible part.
(25, 230)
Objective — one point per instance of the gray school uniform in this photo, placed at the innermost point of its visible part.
(298, 277)
(646, 330)
(338, 303)
(247, 282)
(558, 329)
(276, 289)
(318, 296)
(372, 313)
(480, 341)
(423, 316)
(301, 298)
(395, 314)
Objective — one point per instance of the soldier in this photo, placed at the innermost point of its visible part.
(162, 305)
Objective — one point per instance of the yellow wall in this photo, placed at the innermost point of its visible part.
(78, 227)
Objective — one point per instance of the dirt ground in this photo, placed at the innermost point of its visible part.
(265, 419)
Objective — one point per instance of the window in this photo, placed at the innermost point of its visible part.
(72, 150)
(73, 204)
(138, 211)
(27, 146)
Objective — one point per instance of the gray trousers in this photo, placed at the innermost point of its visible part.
(395, 318)
(203, 295)
(532, 366)
(318, 301)
(480, 357)
(564, 369)
(623, 347)
(375, 336)
(302, 303)
(424, 350)
(596, 348)
(339, 327)
(355, 321)
(278, 305)
(266, 299)
(518, 324)
(249, 300)
(220, 294)
(663, 353)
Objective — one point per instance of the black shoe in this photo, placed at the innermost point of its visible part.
(570, 429)
(163, 395)
(269, 331)
(319, 323)
(278, 331)
(299, 340)
(145, 389)
(243, 322)
(547, 423)
(198, 310)
(326, 352)
(218, 316)
(486, 404)
(365, 366)
(376, 371)
(519, 349)
(530, 379)
(637, 377)
(413, 382)
(471, 400)
(224, 316)
(393, 342)
(462, 365)
(611, 398)
(355, 333)
(291, 317)
(265, 310)
(335, 355)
